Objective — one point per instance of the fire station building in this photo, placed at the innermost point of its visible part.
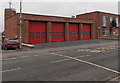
(41, 28)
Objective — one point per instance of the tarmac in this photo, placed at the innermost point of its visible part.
(59, 46)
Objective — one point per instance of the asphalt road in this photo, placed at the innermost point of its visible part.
(81, 64)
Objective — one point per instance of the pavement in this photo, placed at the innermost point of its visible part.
(94, 60)
(59, 46)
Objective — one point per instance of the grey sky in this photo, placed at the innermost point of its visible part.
(61, 8)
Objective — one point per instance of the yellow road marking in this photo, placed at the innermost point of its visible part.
(10, 70)
(87, 63)
(116, 78)
(68, 59)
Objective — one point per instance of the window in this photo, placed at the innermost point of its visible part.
(37, 33)
(76, 35)
(53, 33)
(57, 32)
(43, 32)
(37, 36)
(53, 36)
(61, 36)
(104, 32)
(57, 36)
(43, 36)
(111, 18)
(116, 31)
(31, 37)
(116, 21)
(104, 21)
(61, 32)
(72, 35)
(31, 33)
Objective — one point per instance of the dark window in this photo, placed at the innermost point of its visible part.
(61, 36)
(61, 32)
(73, 32)
(38, 33)
(31, 37)
(53, 33)
(37, 36)
(57, 36)
(104, 32)
(76, 32)
(72, 35)
(43, 32)
(43, 36)
(31, 33)
(57, 32)
(52, 36)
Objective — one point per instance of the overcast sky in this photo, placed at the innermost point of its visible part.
(65, 8)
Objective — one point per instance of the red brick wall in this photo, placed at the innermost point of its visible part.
(97, 17)
(9, 13)
(53, 18)
(11, 27)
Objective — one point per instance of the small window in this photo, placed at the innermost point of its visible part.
(37, 36)
(111, 18)
(61, 35)
(104, 32)
(57, 36)
(31, 33)
(76, 35)
(43, 32)
(53, 36)
(43, 36)
(117, 21)
(53, 33)
(73, 32)
(57, 32)
(62, 32)
(31, 37)
(104, 21)
(76, 32)
(37, 33)
(72, 35)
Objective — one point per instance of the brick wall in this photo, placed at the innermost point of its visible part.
(11, 27)
(97, 19)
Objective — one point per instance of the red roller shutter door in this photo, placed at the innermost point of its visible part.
(86, 31)
(73, 32)
(58, 31)
(37, 32)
